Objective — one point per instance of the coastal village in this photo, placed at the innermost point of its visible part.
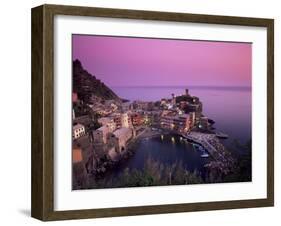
(105, 127)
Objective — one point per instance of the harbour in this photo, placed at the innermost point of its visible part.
(122, 141)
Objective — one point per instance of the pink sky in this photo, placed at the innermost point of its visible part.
(123, 61)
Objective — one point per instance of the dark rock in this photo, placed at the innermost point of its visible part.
(86, 85)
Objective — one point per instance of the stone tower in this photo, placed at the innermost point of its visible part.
(173, 99)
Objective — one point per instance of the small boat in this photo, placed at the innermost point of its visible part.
(205, 155)
(196, 145)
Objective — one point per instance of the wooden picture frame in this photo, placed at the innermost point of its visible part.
(43, 107)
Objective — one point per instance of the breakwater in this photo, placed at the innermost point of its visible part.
(222, 157)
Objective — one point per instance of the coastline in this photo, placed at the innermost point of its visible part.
(125, 125)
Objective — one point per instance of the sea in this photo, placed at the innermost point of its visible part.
(229, 107)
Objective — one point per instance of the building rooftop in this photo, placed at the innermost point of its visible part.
(121, 132)
(78, 126)
(103, 128)
(183, 115)
(104, 120)
(126, 104)
(169, 116)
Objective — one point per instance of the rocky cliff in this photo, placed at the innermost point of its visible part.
(86, 85)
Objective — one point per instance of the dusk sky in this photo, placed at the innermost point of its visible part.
(120, 61)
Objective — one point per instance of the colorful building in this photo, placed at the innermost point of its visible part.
(137, 119)
(109, 122)
(120, 137)
(122, 120)
(180, 123)
(78, 130)
(100, 135)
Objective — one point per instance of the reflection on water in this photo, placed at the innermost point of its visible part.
(166, 150)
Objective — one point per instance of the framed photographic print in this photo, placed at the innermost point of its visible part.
(141, 112)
